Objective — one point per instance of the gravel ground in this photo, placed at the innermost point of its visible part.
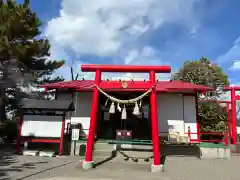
(14, 167)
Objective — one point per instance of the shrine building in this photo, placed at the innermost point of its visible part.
(147, 110)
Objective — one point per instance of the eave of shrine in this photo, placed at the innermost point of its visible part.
(131, 86)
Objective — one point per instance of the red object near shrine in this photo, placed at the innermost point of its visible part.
(124, 68)
(234, 97)
(133, 86)
(119, 68)
(158, 87)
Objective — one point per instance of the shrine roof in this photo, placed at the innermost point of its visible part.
(56, 105)
(229, 88)
(161, 86)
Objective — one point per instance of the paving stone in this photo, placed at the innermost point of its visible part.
(13, 167)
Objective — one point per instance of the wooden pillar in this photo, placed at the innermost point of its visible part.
(154, 121)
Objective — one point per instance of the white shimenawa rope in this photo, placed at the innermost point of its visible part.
(129, 101)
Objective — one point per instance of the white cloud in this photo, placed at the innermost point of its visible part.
(146, 55)
(104, 27)
(237, 42)
(235, 65)
(232, 54)
(114, 28)
(135, 76)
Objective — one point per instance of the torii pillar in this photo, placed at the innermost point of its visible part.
(233, 90)
(88, 163)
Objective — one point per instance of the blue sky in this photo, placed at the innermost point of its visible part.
(139, 32)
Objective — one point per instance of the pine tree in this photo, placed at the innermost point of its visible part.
(20, 40)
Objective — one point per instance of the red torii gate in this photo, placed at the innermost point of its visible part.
(152, 70)
(233, 90)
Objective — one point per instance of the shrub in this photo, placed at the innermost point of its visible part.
(9, 130)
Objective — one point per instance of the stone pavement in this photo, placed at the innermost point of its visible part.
(177, 168)
(14, 167)
(26, 167)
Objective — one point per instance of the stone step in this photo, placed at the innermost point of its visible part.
(235, 148)
(106, 150)
(104, 146)
(30, 153)
(135, 147)
(47, 153)
(215, 153)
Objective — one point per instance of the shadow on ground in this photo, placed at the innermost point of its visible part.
(177, 150)
(107, 159)
(9, 163)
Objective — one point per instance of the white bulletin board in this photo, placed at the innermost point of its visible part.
(42, 126)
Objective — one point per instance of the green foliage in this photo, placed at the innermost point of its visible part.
(203, 72)
(212, 117)
(9, 130)
(20, 39)
(19, 31)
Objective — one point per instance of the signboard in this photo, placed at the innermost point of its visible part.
(41, 126)
(123, 135)
(75, 134)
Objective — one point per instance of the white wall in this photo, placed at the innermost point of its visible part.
(176, 113)
(170, 114)
(190, 115)
(83, 103)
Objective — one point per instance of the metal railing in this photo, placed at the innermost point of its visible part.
(223, 137)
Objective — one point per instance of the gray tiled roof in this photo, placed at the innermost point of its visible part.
(57, 105)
